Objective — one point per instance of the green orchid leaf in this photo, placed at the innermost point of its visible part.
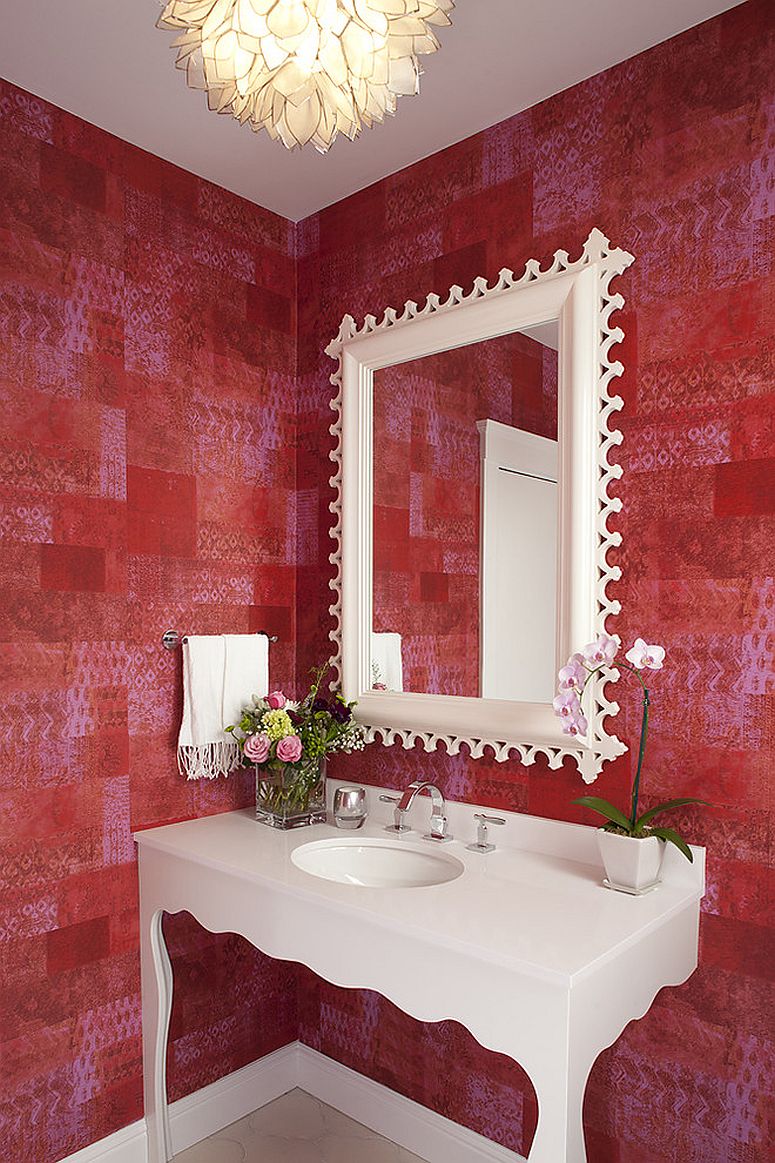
(668, 806)
(603, 808)
(672, 837)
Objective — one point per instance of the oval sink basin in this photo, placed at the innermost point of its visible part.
(376, 863)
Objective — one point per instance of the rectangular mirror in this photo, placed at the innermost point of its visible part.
(472, 505)
(465, 519)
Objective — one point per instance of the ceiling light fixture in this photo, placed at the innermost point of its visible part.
(305, 70)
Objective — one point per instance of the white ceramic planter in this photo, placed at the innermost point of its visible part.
(631, 863)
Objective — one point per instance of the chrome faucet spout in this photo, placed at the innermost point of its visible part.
(438, 825)
(414, 789)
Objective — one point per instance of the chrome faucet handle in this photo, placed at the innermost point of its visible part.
(482, 844)
(398, 824)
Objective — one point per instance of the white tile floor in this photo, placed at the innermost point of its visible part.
(296, 1129)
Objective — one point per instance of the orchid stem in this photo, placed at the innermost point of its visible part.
(620, 666)
(643, 732)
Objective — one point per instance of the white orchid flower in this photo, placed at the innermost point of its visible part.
(645, 657)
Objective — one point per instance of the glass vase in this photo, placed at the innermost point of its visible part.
(291, 795)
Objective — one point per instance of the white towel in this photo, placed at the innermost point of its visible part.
(386, 662)
(220, 673)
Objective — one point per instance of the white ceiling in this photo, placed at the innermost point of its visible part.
(107, 62)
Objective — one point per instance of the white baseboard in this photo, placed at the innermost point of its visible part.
(214, 1107)
(125, 1146)
(414, 1127)
(204, 1112)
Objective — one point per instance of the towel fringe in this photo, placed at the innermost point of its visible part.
(208, 760)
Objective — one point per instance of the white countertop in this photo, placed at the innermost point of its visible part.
(523, 908)
(525, 948)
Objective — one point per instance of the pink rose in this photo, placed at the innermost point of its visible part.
(276, 700)
(289, 749)
(256, 748)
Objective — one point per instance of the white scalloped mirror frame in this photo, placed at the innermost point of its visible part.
(578, 294)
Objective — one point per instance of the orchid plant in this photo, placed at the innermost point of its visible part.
(601, 655)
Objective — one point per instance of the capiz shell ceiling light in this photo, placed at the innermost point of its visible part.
(305, 70)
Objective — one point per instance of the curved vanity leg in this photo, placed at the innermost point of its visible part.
(559, 1136)
(156, 977)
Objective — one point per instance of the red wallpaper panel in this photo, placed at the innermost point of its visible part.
(437, 1064)
(427, 490)
(671, 155)
(147, 480)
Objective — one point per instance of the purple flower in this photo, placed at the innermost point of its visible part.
(341, 712)
(567, 706)
(642, 656)
(256, 748)
(602, 652)
(289, 749)
(575, 725)
(338, 711)
(573, 674)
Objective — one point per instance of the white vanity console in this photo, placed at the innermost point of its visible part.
(525, 948)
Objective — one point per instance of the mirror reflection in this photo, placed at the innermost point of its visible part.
(465, 520)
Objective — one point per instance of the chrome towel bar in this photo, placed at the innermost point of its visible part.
(171, 639)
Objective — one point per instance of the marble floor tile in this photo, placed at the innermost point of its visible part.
(296, 1128)
(296, 1113)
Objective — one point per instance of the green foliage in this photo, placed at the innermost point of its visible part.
(668, 806)
(323, 721)
(603, 808)
(641, 827)
(672, 837)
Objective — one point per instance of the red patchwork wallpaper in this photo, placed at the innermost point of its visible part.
(437, 1064)
(671, 154)
(426, 495)
(147, 480)
(164, 462)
